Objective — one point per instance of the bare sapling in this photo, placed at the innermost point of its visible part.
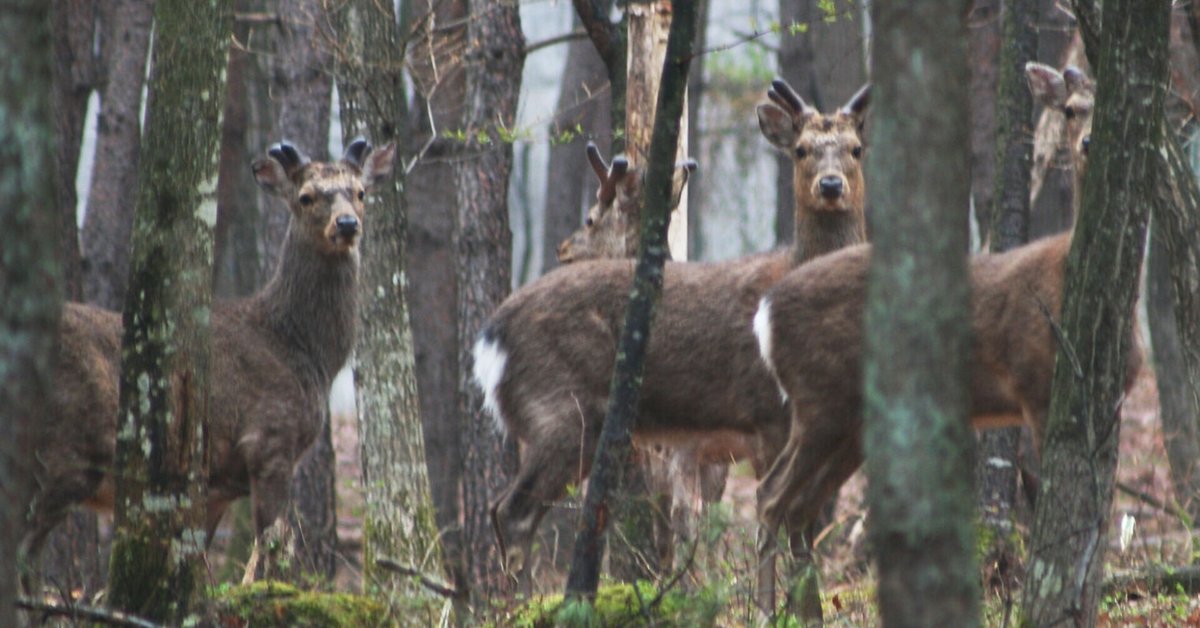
(809, 329)
(274, 355)
(544, 359)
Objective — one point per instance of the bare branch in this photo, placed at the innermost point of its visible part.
(90, 613)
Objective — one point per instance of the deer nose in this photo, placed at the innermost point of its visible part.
(1087, 139)
(347, 226)
(831, 187)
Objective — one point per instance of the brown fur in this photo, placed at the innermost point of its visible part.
(814, 345)
(703, 378)
(274, 355)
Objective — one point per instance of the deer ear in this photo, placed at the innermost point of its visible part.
(856, 107)
(1046, 84)
(777, 126)
(597, 162)
(272, 177)
(378, 165)
(356, 151)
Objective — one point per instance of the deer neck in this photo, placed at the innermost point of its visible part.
(311, 303)
(818, 233)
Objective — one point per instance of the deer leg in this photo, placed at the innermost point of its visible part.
(269, 494)
(548, 465)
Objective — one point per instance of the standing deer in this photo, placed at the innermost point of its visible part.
(274, 356)
(809, 329)
(544, 359)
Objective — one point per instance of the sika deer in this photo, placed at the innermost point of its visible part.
(809, 329)
(274, 356)
(544, 359)
(613, 224)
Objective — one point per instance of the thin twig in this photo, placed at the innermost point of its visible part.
(441, 588)
(557, 39)
(90, 613)
(1147, 498)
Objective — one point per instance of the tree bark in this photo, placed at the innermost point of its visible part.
(1080, 453)
(399, 522)
(29, 271)
(917, 339)
(996, 461)
(696, 180)
(612, 451)
(430, 261)
(125, 39)
(494, 59)
(1173, 306)
(161, 448)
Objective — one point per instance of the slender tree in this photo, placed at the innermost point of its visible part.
(1080, 453)
(494, 58)
(917, 338)
(124, 42)
(432, 286)
(613, 448)
(160, 537)
(29, 273)
(399, 522)
(996, 466)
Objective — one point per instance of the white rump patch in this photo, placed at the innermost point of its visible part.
(490, 359)
(762, 331)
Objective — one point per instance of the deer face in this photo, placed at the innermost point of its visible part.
(826, 149)
(326, 199)
(613, 223)
(1071, 93)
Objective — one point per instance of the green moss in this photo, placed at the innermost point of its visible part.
(620, 604)
(266, 604)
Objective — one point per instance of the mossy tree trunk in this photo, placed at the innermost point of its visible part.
(399, 520)
(1080, 453)
(917, 340)
(29, 272)
(161, 446)
(494, 58)
(996, 460)
(612, 452)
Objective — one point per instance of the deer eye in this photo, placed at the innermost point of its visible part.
(1069, 112)
(856, 152)
(361, 195)
(306, 199)
(801, 152)
(588, 222)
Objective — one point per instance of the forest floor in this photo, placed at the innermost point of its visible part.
(1155, 538)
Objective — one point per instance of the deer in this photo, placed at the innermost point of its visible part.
(809, 330)
(274, 356)
(544, 358)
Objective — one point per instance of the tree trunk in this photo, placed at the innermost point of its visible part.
(612, 451)
(72, 558)
(399, 522)
(429, 257)
(1080, 453)
(125, 38)
(1173, 305)
(696, 180)
(161, 448)
(74, 25)
(917, 343)
(581, 114)
(996, 460)
(483, 266)
(820, 55)
(29, 274)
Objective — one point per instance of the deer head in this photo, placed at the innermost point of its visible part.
(326, 199)
(1071, 93)
(826, 149)
(613, 223)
